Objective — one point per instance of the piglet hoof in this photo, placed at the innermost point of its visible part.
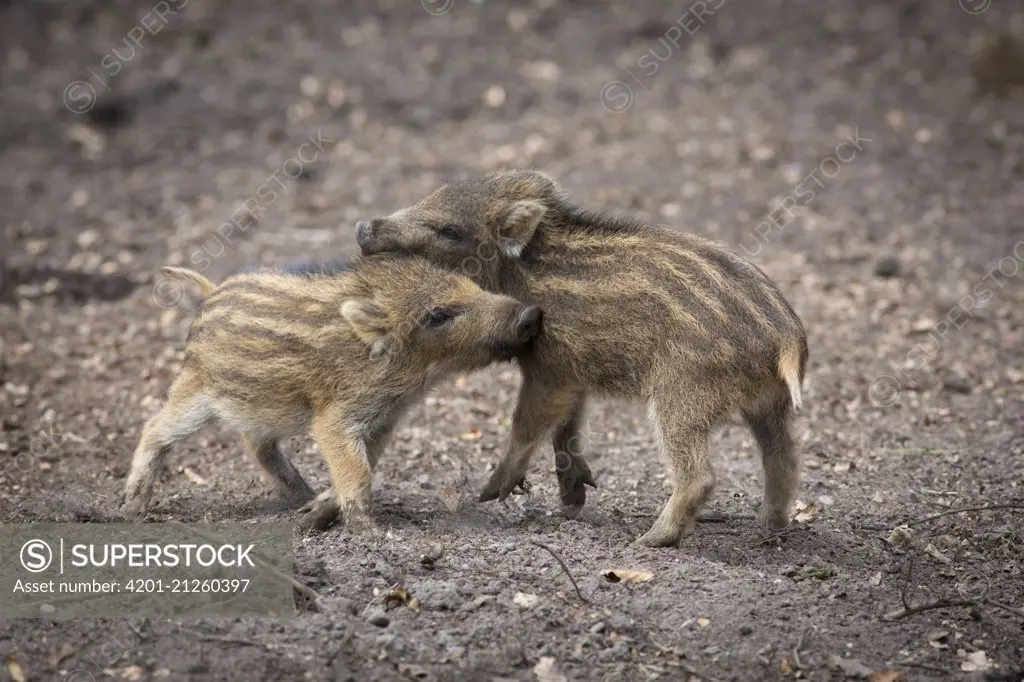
(495, 488)
(360, 523)
(318, 514)
(772, 524)
(573, 497)
(572, 511)
(491, 491)
(572, 483)
(499, 488)
(572, 491)
(133, 509)
(660, 536)
(523, 487)
(580, 473)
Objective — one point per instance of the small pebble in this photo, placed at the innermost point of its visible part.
(957, 384)
(887, 266)
(378, 617)
(310, 86)
(494, 96)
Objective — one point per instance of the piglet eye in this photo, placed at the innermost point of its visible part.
(439, 316)
(450, 232)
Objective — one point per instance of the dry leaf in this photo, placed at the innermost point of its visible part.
(62, 652)
(396, 597)
(451, 498)
(805, 512)
(886, 676)
(546, 672)
(133, 673)
(976, 661)
(703, 622)
(194, 477)
(14, 668)
(627, 575)
(526, 601)
(876, 579)
(472, 434)
(400, 596)
(785, 667)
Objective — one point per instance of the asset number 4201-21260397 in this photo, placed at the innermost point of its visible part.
(186, 585)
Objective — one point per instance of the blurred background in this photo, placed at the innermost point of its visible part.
(131, 132)
(868, 155)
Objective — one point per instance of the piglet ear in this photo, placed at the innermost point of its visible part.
(543, 180)
(521, 222)
(367, 320)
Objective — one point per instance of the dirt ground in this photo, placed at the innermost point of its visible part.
(906, 264)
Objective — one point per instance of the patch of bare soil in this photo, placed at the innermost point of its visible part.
(903, 254)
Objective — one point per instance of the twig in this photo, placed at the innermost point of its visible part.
(922, 666)
(696, 673)
(907, 611)
(724, 518)
(796, 651)
(704, 518)
(206, 637)
(306, 591)
(564, 568)
(871, 527)
(964, 510)
(1003, 607)
(906, 582)
(772, 537)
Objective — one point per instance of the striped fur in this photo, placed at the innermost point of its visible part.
(633, 310)
(338, 355)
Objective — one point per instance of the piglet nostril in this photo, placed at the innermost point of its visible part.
(529, 322)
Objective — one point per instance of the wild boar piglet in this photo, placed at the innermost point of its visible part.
(632, 310)
(337, 356)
